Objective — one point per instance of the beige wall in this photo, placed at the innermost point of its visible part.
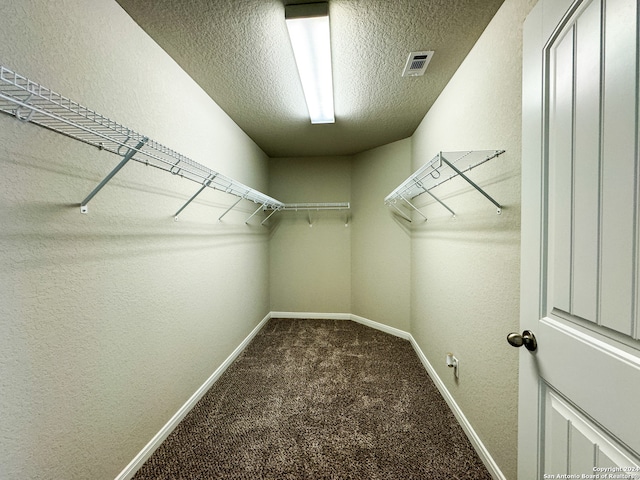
(465, 275)
(110, 321)
(310, 266)
(380, 243)
(361, 268)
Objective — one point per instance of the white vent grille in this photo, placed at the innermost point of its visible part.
(417, 64)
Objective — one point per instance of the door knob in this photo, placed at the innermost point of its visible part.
(528, 339)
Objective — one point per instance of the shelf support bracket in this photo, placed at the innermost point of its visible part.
(231, 207)
(128, 156)
(414, 207)
(439, 201)
(269, 216)
(473, 184)
(205, 184)
(402, 214)
(261, 207)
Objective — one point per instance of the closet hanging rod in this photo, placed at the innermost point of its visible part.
(31, 102)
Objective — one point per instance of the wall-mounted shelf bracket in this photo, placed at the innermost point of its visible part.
(414, 207)
(127, 156)
(230, 208)
(205, 184)
(261, 207)
(472, 183)
(442, 168)
(270, 215)
(439, 201)
(393, 204)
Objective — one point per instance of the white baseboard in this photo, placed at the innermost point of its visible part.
(342, 316)
(381, 326)
(164, 432)
(473, 437)
(311, 315)
(155, 442)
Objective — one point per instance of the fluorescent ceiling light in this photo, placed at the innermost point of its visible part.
(308, 26)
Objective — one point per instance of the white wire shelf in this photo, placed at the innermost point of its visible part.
(30, 102)
(441, 168)
(316, 206)
(308, 207)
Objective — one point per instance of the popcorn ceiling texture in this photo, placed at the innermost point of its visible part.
(231, 47)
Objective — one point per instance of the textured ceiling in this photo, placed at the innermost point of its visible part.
(239, 53)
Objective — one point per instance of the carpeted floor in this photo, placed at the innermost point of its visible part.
(319, 399)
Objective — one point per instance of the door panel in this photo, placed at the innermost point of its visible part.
(601, 378)
(579, 447)
(580, 390)
(619, 183)
(560, 179)
(586, 164)
(592, 190)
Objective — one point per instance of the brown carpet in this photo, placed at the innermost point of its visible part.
(319, 399)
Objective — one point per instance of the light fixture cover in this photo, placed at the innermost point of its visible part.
(308, 26)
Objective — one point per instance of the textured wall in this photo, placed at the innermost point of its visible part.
(310, 267)
(111, 320)
(380, 252)
(465, 271)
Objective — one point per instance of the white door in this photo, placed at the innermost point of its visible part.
(580, 292)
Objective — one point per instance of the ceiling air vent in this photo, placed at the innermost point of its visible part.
(417, 64)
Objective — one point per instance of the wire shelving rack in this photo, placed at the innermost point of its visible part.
(31, 102)
(440, 169)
